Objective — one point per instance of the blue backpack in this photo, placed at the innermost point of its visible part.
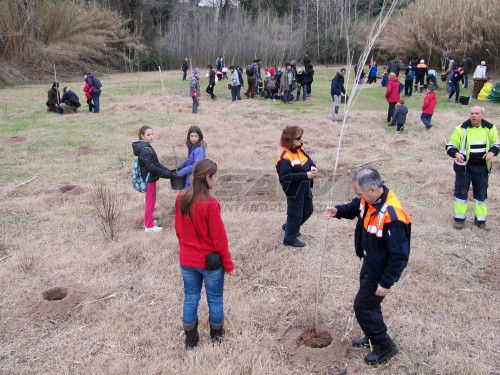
(137, 181)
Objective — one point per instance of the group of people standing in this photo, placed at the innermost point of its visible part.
(273, 83)
(69, 102)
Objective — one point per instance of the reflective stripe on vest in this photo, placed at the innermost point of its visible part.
(299, 158)
(374, 224)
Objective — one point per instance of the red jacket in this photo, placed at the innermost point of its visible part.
(430, 102)
(212, 235)
(88, 91)
(392, 93)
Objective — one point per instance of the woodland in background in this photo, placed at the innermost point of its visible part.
(140, 34)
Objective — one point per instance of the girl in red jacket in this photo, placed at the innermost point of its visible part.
(88, 93)
(200, 230)
(392, 95)
(430, 102)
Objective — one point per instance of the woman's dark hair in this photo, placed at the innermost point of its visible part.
(197, 130)
(142, 131)
(289, 134)
(231, 67)
(199, 186)
(86, 73)
(209, 66)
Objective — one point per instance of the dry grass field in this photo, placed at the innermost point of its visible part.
(121, 313)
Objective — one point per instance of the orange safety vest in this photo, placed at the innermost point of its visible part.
(390, 211)
(422, 66)
(299, 158)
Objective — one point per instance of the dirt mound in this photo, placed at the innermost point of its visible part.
(85, 151)
(71, 189)
(52, 304)
(337, 357)
(491, 273)
(12, 141)
(314, 339)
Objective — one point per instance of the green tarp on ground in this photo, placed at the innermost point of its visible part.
(494, 96)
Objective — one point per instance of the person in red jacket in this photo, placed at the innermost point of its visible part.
(88, 93)
(430, 102)
(200, 230)
(392, 95)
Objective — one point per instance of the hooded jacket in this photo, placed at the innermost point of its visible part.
(71, 99)
(337, 85)
(186, 167)
(430, 102)
(392, 93)
(149, 163)
(90, 81)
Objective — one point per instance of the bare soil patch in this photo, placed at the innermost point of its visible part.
(85, 151)
(13, 141)
(337, 357)
(71, 189)
(313, 339)
(491, 273)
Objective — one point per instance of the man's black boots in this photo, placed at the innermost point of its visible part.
(192, 336)
(360, 342)
(382, 351)
(217, 332)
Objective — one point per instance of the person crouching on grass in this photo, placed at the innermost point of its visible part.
(151, 171)
(296, 171)
(203, 252)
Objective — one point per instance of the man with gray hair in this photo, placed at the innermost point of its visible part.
(473, 146)
(382, 238)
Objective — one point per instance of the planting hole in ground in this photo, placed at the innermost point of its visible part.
(314, 339)
(55, 294)
(66, 188)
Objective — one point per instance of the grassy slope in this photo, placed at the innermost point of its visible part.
(442, 314)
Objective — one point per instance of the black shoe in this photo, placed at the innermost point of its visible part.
(284, 228)
(217, 335)
(391, 124)
(382, 352)
(192, 336)
(360, 342)
(296, 243)
(482, 225)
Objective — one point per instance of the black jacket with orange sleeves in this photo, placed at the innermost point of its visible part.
(387, 250)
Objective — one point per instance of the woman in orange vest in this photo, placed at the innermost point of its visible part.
(296, 171)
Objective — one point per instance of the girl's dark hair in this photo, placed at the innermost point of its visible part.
(142, 131)
(289, 134)
(197, 130)
(199, 186)
(209, 66)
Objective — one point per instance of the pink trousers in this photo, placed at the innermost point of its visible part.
(149, 206)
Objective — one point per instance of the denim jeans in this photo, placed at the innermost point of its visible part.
(195, 104)
(455, 89)
(466, 80)
(286, 96)
(336, 105)
(426, 119)
(434, 81)
(214, 287)
(300, 208)
(304, 92)
(95, 99)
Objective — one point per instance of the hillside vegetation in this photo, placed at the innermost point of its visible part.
(74, 35)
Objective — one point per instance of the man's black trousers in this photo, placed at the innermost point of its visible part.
(368, 310)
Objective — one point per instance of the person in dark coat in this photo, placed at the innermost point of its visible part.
(382, 239)
(54, 99)
(467, 67)
(301, 84)
(151, 171)
(96, 91)
(70, 101)
(337, 90)
(309, 78)
(211, 82)
(396, 67)
(185, 68)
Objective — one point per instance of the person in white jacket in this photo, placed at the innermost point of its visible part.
(480, 71)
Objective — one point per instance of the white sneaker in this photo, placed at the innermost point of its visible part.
(274, 100)
(154, 223)
(153, 229)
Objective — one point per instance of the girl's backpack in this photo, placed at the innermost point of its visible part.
(137, 181)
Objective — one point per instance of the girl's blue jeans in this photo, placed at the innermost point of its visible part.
(214, 287)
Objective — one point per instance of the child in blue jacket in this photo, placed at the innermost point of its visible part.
(196, 151)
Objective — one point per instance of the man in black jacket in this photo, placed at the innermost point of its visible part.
(337, 90)
(54, 99)
(211, 82)
(382, 239)
(70, 101)
(185, 68)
